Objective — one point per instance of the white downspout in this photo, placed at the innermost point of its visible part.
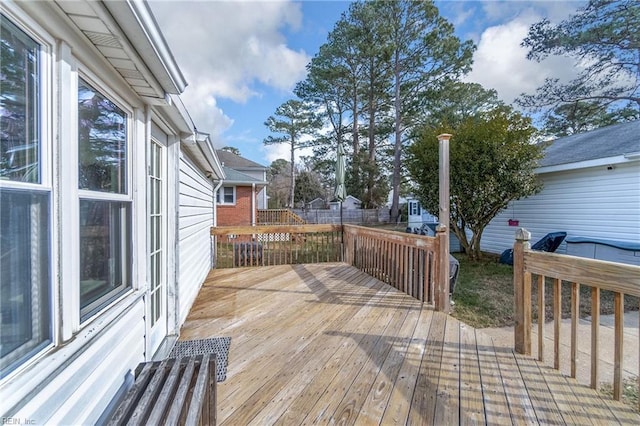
(253, 204)
(215, 204)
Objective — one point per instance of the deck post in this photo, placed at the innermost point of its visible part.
(442, 283)
(522, 294)
(442, 276)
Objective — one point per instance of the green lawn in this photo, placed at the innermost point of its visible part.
(484, 293)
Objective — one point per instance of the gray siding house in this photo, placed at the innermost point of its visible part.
(591, 190)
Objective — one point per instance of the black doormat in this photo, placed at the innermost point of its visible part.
(216, 345)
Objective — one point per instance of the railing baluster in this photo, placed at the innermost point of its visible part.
(595, 335)
(557, 321)
(575, 317)
(618, 311)
(542, 314)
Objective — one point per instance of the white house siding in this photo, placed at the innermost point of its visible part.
(75, 384)
(591, 202)
(194, 229)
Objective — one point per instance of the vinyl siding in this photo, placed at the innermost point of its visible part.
(593, 202)
(92, 370)
(194, 227)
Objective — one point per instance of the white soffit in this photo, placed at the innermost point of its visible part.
(105, 34)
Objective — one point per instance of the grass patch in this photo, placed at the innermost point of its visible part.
(629, 391)
(484, 293)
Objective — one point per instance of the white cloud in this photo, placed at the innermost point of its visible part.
(283, 150)
(226, 49)
(500, 62)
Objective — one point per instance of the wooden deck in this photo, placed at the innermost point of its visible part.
(326, 343)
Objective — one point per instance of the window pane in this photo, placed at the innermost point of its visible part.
(19, 108)
(102, 142)
(228, 195)
(104, 252)
(25, 299)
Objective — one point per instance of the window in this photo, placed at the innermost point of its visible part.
(20, 138)
(25, 289)
(156, 241)
(102, 139)
(414, 208)
(226, 195)
(105, 207)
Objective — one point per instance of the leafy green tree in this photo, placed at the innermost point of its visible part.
(458, 101)
(293, 121)
(308, 187)
(278, 176)
(603, 36)
(371, 185)
(491, 163)
(425, 54)
(334, 83)
(375, 47)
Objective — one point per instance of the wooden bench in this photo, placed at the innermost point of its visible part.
(174, 391)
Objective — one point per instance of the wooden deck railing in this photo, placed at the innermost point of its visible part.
(276, 245)
(598, 275)
(279, 217)
(411, 263)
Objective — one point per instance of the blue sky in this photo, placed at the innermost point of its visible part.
(243, 58)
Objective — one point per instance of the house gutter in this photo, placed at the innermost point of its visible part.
(598, 162)
(200, 144)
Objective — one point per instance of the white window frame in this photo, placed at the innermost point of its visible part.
(414, 208)
(161, 252)
(46, 159)
(95, 310)
(220, 196)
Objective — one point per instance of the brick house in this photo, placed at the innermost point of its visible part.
(242, 192)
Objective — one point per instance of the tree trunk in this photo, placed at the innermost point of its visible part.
(371, 169)
(356, 136)
(475, 253)
(293, 177)
(395, 182)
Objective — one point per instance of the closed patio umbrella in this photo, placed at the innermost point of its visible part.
(341, 192)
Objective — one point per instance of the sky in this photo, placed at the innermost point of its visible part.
(242, 59)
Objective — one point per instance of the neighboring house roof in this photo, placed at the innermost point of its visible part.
(229, 159)
(238, 178)
(605, 142)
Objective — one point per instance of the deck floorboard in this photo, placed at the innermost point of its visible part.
(328, 344)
